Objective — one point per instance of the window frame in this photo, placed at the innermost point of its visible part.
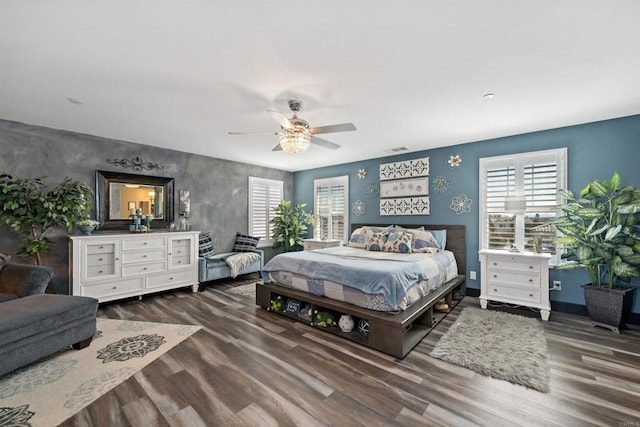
(520, 162)
(271, 185)
(328, 182)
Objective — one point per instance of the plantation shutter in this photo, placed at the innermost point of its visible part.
(264, 196)
(536, 177)
(331, 208)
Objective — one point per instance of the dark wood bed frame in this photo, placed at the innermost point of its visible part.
(392, 333)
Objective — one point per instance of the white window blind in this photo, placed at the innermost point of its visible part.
(264, 196)
(535, 177)
(331, 208)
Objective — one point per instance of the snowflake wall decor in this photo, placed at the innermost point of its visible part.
(362, 173)
(372, 191)
(440, 184)
(358, 207)
(455, 160)
(461, 204)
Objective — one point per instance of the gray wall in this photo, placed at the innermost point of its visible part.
(219, 188)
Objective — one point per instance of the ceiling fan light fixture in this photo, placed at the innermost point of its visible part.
(295, 142)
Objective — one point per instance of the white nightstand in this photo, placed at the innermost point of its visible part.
(520, 278)
(311, 244)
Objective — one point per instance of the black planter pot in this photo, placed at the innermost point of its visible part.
(609, 308)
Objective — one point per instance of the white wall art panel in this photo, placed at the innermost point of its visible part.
(405, 206)
(405, 187)
(405, 169)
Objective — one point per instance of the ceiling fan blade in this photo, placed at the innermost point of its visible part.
(344, 127)
(280, 118)
(324, 143)
(253, 133)
(277, 148)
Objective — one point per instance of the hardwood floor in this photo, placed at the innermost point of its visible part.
(248, 367)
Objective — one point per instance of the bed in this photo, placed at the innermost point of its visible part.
(391, 314)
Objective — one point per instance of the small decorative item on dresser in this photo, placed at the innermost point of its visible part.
(346, 323)
(86, 226)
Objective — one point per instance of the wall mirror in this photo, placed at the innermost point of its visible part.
(119, 195)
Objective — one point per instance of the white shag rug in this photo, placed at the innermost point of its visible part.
(501, 345)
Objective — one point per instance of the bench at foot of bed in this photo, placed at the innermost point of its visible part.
(394, 334)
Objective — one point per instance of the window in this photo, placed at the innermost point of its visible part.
(264, 196)
(331, 208)
(519, 199)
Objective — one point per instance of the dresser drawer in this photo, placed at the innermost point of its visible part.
(150, 255)
(107, 290)
(98, 271)
(133, 269)
(522, 294)
(100, 259)
(509, 278)
(148, 242)
(183, 276)
(181, 243)
(178, 261)
(101, 248)
(513, 264)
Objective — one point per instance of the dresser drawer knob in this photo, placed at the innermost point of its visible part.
(144, 256)
(495, 290)
(115, 287)
(530, 280)
(101, 247)
(495, 276)
(170, 278)
(145, 269)
(100, 259)
(179, 262)
(531, 295)
(144, 243)
(495, 263)
(531, 267)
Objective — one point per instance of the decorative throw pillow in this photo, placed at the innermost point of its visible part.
(205, 248)
(423, 241)
(440, 236)
(399, 242)
(357, 238)
(245, 243)
(375, 240)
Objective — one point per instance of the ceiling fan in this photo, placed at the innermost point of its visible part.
(296, 135)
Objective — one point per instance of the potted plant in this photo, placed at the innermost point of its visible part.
(33, 213)
(600, 234)
(290, 225)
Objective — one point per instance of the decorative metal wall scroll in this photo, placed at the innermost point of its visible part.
(405, 187)
(393, 191)
(358, 207)
(136, 164)
(405, 206)
(405, 169)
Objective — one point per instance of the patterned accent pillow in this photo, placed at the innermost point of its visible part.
(205, 246)
(245, 243)
(399, 242)
(375, 240)
(357, 238)
(423, 241)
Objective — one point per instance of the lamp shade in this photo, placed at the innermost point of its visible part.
(515, 204)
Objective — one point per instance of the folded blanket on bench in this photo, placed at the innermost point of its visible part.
(239, 262)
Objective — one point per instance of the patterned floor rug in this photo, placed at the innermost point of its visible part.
(501, 345)
(248, 291)
(48, 392)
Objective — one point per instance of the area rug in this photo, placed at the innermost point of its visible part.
(248, 291)
(501, 345)
(49, 391)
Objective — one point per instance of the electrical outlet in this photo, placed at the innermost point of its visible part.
(557, 285)
(472, 275)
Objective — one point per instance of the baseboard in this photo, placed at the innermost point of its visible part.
(566, 307)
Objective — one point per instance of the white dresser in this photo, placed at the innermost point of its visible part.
(312, 244)
(520, 278)
(114, 266)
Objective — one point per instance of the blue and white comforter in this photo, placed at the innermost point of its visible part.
(391, 275)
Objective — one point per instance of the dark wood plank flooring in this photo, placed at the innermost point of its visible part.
(247, 367)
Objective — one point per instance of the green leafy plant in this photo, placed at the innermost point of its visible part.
(290, 225)
(600, 232)
(32, 213)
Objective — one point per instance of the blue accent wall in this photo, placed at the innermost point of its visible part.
(595, 151)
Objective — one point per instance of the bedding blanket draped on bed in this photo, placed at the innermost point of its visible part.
(388, 274)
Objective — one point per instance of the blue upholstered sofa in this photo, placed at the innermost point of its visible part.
(215, 267)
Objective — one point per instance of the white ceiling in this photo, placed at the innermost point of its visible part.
(181, 74)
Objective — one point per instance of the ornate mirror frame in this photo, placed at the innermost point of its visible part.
(103, 198)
